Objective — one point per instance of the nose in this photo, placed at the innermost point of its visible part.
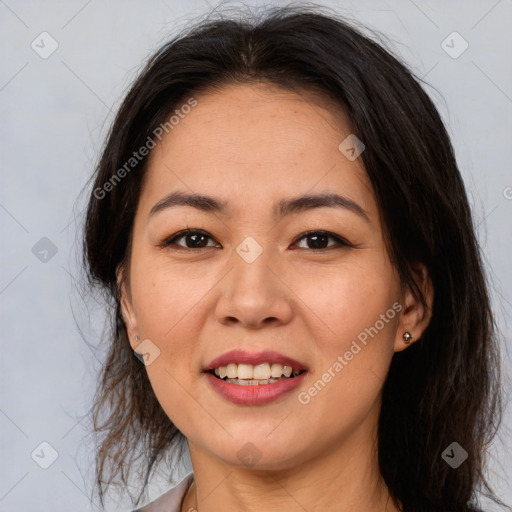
(254, 295)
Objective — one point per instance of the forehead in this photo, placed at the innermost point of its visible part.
(254, 141)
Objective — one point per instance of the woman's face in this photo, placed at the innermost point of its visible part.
(253, 281)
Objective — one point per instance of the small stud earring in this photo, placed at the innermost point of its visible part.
(137, 338)
(407, 336)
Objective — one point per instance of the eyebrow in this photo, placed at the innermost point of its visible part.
(281, 209)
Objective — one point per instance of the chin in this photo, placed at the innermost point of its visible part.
(259, 452)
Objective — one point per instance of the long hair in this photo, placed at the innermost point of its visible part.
(445, 387)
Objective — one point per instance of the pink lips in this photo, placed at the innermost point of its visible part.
(254, 395)
(241, 356)
(257, 394)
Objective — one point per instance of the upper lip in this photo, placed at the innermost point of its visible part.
(254, 358)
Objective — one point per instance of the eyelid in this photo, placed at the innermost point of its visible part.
(170, 240)
(341, 240)
(179, 234)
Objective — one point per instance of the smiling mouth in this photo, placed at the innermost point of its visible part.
(254, 375)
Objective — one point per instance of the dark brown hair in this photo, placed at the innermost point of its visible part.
(443, 388)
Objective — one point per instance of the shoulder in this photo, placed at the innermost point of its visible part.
(171, 500)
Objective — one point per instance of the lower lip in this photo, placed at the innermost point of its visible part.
(254, 395)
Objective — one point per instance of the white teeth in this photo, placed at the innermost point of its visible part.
(232, 371)
(276, 370)
(261, 372)
(245, 371)
(250, 382)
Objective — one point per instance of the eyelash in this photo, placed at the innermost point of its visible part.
(342, 242)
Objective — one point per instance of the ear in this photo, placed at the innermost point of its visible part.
(129, 317)
(415, 316)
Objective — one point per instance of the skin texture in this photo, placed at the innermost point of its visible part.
(253, 145)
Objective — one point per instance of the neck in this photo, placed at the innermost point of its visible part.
(345, 477)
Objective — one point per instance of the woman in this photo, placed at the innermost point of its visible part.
(279, 220)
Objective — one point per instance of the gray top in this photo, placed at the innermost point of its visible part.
(171, 500)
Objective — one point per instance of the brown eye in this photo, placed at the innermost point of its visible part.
(198, 239)
(193, 239)
(319, 240)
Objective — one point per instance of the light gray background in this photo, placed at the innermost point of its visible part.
(54, 116)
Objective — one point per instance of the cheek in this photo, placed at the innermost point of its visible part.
(354, 355)
(169, 303)
(348, 302)
(364, 310)
(354, 323)
(169, 315)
